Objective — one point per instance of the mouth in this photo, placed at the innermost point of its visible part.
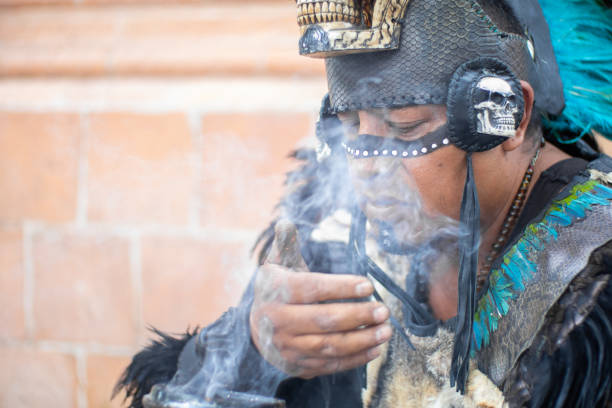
(410, 224)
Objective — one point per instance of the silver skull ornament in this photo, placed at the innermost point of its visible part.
(496, 106)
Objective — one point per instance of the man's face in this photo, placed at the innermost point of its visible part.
(419, 197)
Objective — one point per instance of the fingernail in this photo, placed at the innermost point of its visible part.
(373, 353)
(364, 289)
(381, 313)
(383, 334)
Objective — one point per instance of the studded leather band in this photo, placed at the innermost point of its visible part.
(367, 146)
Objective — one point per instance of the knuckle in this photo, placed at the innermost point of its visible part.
(327, 322)
(323, 346)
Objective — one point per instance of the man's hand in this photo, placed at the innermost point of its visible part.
(294, 330)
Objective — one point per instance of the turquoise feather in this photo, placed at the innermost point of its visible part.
(523, 247)
(517, 269)
(535, 242)
(550, 230)
(477, 334)
(581, 32)
(593, 199)
(575, 209)
(514, 277)
(560, 218)
(604, 191)
(484, 317)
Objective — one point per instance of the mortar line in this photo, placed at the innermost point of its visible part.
(83, 171)
(161, 95)
(82, 380)
(28, 281)
(158, 230)
(68, 347)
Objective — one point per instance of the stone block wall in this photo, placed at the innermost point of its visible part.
(142, 149)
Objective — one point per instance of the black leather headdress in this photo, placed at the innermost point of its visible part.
(437, 36)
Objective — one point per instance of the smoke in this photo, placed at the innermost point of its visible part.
(222, 366)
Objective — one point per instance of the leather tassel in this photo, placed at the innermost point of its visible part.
(468, 267)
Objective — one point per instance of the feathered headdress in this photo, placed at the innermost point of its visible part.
(581, 32)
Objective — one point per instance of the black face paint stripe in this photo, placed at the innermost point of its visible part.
(366, 146)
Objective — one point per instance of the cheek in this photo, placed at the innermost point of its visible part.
(440, 184)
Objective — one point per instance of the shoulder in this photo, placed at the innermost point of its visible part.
(552, 283)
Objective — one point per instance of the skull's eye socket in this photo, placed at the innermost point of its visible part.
(512, 100)
(497, 98)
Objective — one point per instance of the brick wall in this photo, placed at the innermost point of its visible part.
(142, 146)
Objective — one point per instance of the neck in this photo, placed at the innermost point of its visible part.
(549, 155)
(443, 290)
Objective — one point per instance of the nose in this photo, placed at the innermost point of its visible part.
(368, 169)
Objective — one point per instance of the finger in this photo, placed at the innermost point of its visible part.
(325, 318)
(336, 345)
(309, 287)
(285, 248)
(312, 367)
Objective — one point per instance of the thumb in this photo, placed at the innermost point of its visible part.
(285, 249)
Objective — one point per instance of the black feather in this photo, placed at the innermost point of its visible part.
(155, 364)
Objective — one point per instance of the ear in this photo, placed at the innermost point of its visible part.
(519, 136)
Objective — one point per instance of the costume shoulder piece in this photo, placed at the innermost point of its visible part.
(551, 258)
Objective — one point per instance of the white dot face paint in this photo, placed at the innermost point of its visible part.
(369, 146)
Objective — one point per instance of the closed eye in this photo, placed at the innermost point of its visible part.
(405, 130)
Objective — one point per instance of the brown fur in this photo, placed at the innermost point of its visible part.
(420, 378)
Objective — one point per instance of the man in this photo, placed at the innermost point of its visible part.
(437, 250)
